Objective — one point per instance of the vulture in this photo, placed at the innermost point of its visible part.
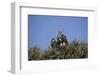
(53, 43)
(60, 41)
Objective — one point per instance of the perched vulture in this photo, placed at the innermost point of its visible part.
(62, 40)
(53, 43)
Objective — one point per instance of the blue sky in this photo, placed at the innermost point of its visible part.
(42, 28)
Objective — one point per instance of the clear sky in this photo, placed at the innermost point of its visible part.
(41, 29)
